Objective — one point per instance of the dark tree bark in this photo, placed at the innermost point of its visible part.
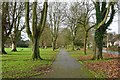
(102, 24)
(3, 26)
(3, 47)
(35, 51)
(99, 43)
(85, 42)
(7, 25)
(54, 45)
(73, 46)
(0, 32)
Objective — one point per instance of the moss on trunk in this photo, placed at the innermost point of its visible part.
(35, 50)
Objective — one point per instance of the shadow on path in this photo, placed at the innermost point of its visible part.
(66, 67)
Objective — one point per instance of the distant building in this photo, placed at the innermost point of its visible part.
(117, 43)
(113, 39)
(119, 28)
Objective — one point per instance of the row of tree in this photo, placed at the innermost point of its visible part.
(43, 20)
(80, 15)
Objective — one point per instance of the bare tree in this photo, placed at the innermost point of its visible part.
(56, 17)
(46, 38)
(8, 20)
(17, 26)
(71, 21)
(84, 20)
(37, 27)
(83, 13)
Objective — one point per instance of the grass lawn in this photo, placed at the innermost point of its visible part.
(106, 68)
(20, 64)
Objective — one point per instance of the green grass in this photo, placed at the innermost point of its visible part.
(77, 53)
(20, 64)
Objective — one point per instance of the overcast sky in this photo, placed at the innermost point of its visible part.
(114, 25)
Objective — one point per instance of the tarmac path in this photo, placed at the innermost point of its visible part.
(67, 67)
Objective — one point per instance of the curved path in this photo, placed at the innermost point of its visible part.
(67, 67)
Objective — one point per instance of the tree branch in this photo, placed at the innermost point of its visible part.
(43, 17)
(105, 18)
(111, 16)
(27, 20)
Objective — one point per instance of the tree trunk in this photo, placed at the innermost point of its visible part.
(3, 25)
(3, 50)
(94, 56)
(99, 43)
(73, 48)
(85, 42)
(3, 41)
(54, 45)
(102, 24)
(3, 47)
(14, 45)
(35, 51)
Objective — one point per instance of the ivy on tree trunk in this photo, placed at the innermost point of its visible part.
(102, 24)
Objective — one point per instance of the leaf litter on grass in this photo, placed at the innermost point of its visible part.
(109, 66)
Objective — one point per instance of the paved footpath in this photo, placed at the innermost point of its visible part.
(67, 67)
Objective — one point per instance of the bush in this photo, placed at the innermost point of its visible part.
(23, 44)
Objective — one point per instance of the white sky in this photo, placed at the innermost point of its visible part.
(114, 25)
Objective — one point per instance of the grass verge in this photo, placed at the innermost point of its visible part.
(20, 64)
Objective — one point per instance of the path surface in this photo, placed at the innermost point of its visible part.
(67, 67)
(111, 52)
